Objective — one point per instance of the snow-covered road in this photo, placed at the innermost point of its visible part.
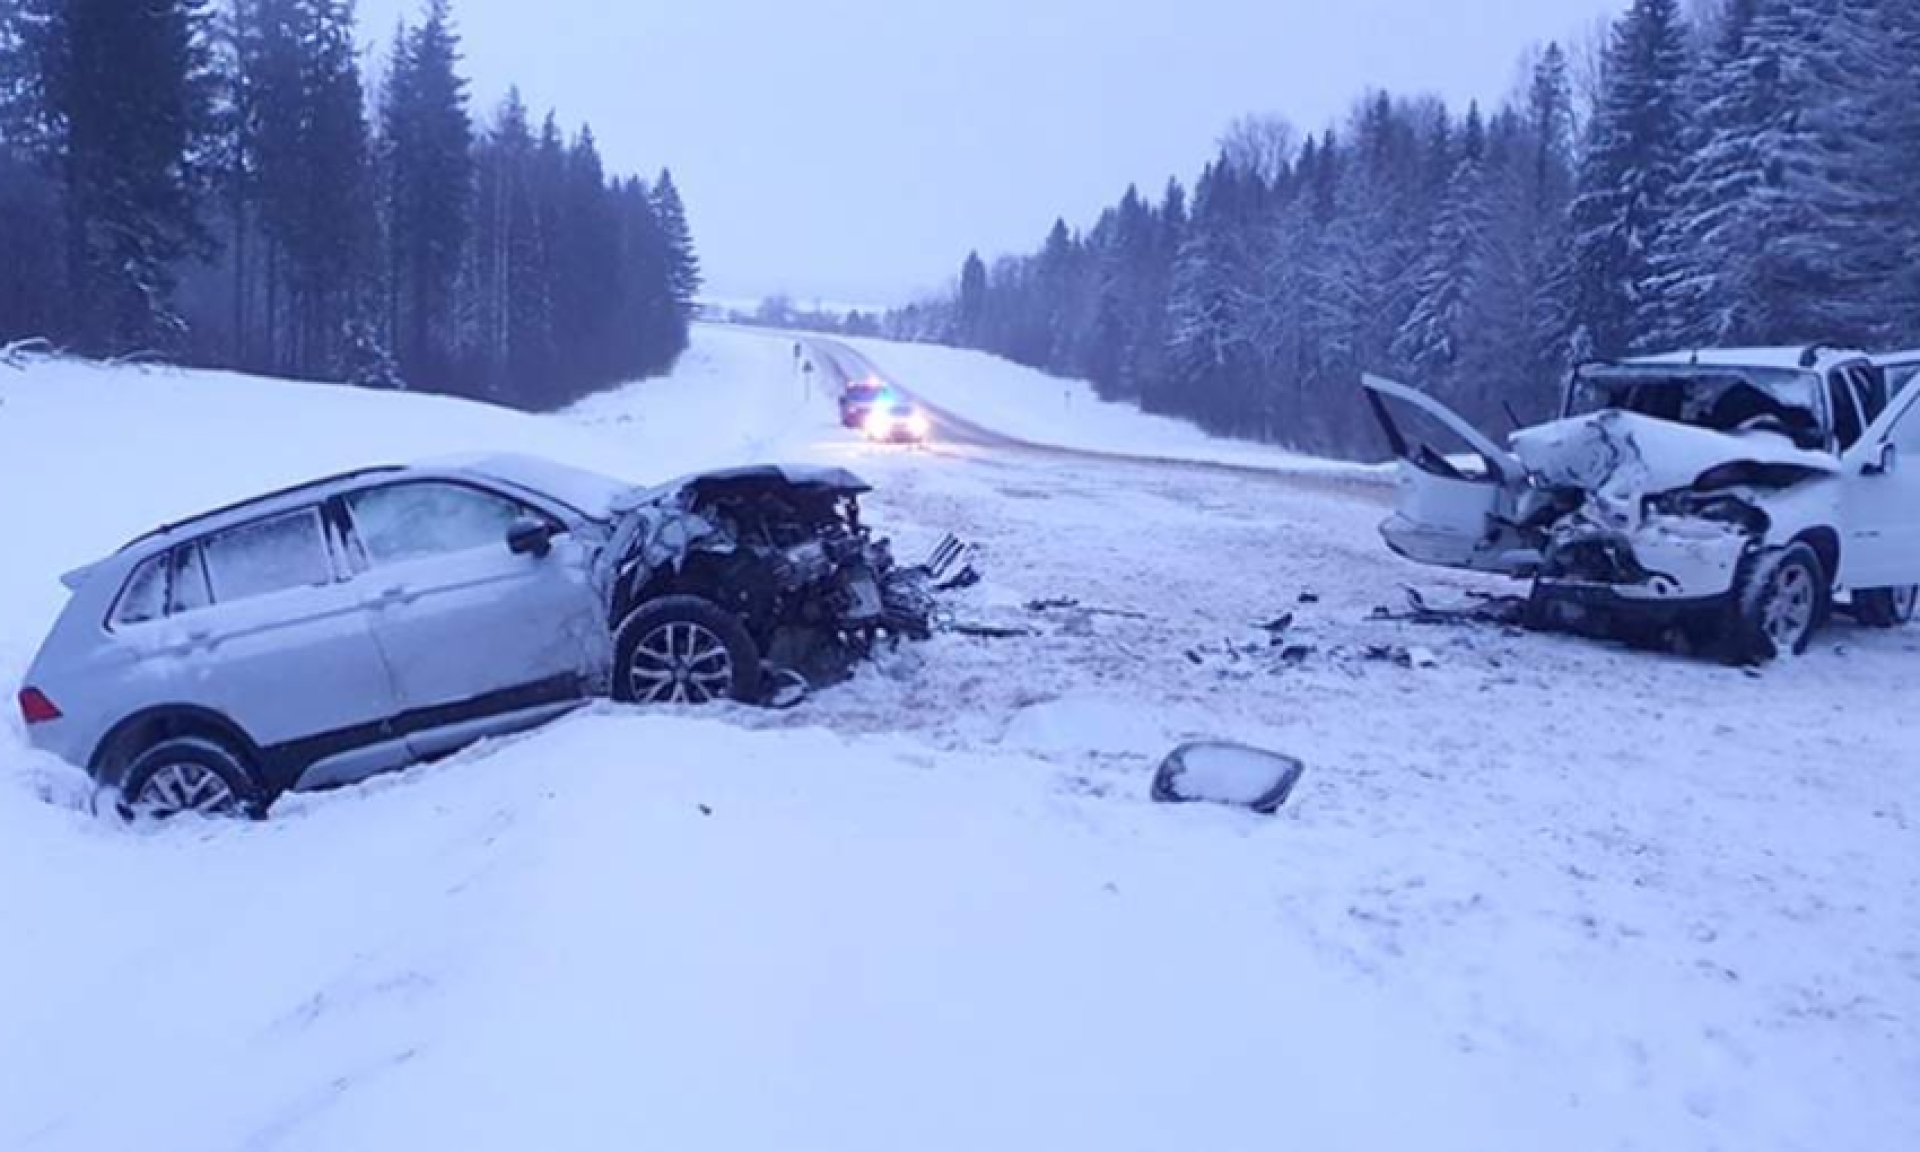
(1534, 892)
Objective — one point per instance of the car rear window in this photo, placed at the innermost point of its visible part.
(268, 556)
(144, 599)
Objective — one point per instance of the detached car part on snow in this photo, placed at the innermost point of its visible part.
(1730, 495)
(318, 636)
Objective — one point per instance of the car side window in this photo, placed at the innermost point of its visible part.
(144, 599)
(404, 522)
(274, 555)
(1899, 376)
(1871, 384)
(189, 592)
(1844, 399)
(1906, 433)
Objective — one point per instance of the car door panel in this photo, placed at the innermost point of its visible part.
(296, 667)
(1453, 510)
(1880, 544)
(472, 632)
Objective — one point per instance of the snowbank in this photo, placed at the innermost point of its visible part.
(657, 932)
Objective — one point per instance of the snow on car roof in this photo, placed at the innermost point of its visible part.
(591, 493)
(1819, 358)
(588, 492)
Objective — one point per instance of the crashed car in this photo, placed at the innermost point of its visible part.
(317, 636)
(1729, 497)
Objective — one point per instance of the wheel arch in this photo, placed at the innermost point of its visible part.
(702, 576)
(119, 747)
(1825, 543)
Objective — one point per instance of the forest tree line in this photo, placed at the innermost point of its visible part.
(222, 183)
(1739, 172)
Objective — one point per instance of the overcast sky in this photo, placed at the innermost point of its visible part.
(854, 150)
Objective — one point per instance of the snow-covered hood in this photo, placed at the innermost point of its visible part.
(1622, 456)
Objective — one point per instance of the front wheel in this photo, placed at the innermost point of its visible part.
(1886, 607)
(1781, 602)
(190, 776)
(684, 650)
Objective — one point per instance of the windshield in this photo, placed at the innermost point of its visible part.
(1778, 400)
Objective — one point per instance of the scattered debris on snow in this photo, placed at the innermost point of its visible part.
(1497, 611)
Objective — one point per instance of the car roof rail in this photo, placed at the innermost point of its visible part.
(252, 501)
(1811, 357)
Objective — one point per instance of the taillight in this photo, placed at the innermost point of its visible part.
(35, 708)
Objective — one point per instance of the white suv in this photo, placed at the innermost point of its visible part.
(1732, 495)
(317, 636)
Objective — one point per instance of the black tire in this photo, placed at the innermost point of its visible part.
(1781, 601)
(668, 652)
(1886, 607)
(191, 776)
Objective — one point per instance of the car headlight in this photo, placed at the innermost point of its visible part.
(919, 425)
(879, 424)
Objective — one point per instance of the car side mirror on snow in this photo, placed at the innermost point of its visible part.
(1885, 464)
(530, 536)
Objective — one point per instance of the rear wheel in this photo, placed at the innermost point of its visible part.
(685, 650)
(1782, 600)
(190, 776)
(1886, 607)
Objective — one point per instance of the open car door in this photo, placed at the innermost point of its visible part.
(1460, 493)
(1901, 370)
(1881, 547)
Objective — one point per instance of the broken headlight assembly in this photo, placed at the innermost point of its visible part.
(1714, 508)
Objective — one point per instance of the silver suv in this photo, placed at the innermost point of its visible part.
(317, 636)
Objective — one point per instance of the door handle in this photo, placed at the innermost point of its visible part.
(398, 594)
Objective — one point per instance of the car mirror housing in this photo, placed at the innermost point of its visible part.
(1231, 774)
(1886, 463)
(529, 536)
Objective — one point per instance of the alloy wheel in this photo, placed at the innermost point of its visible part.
(185, 789)
(1792, 608)
(680, 663)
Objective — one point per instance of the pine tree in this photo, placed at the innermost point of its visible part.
(308, 171)
(588, 296)
(1545, 191)
(972, 304)
(1626, 183)
(1900, 96)
(117, 98)
(1433, 337)
(1826, 271)
(683, 261)
(428, 172)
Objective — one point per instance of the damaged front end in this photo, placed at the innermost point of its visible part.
(784, 551)
(1619, 512)
(1657, 514)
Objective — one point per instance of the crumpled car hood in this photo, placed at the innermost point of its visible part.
(658, 528)
(703, 485)
(1622, 456)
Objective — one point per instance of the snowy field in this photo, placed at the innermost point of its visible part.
(1533, 893)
